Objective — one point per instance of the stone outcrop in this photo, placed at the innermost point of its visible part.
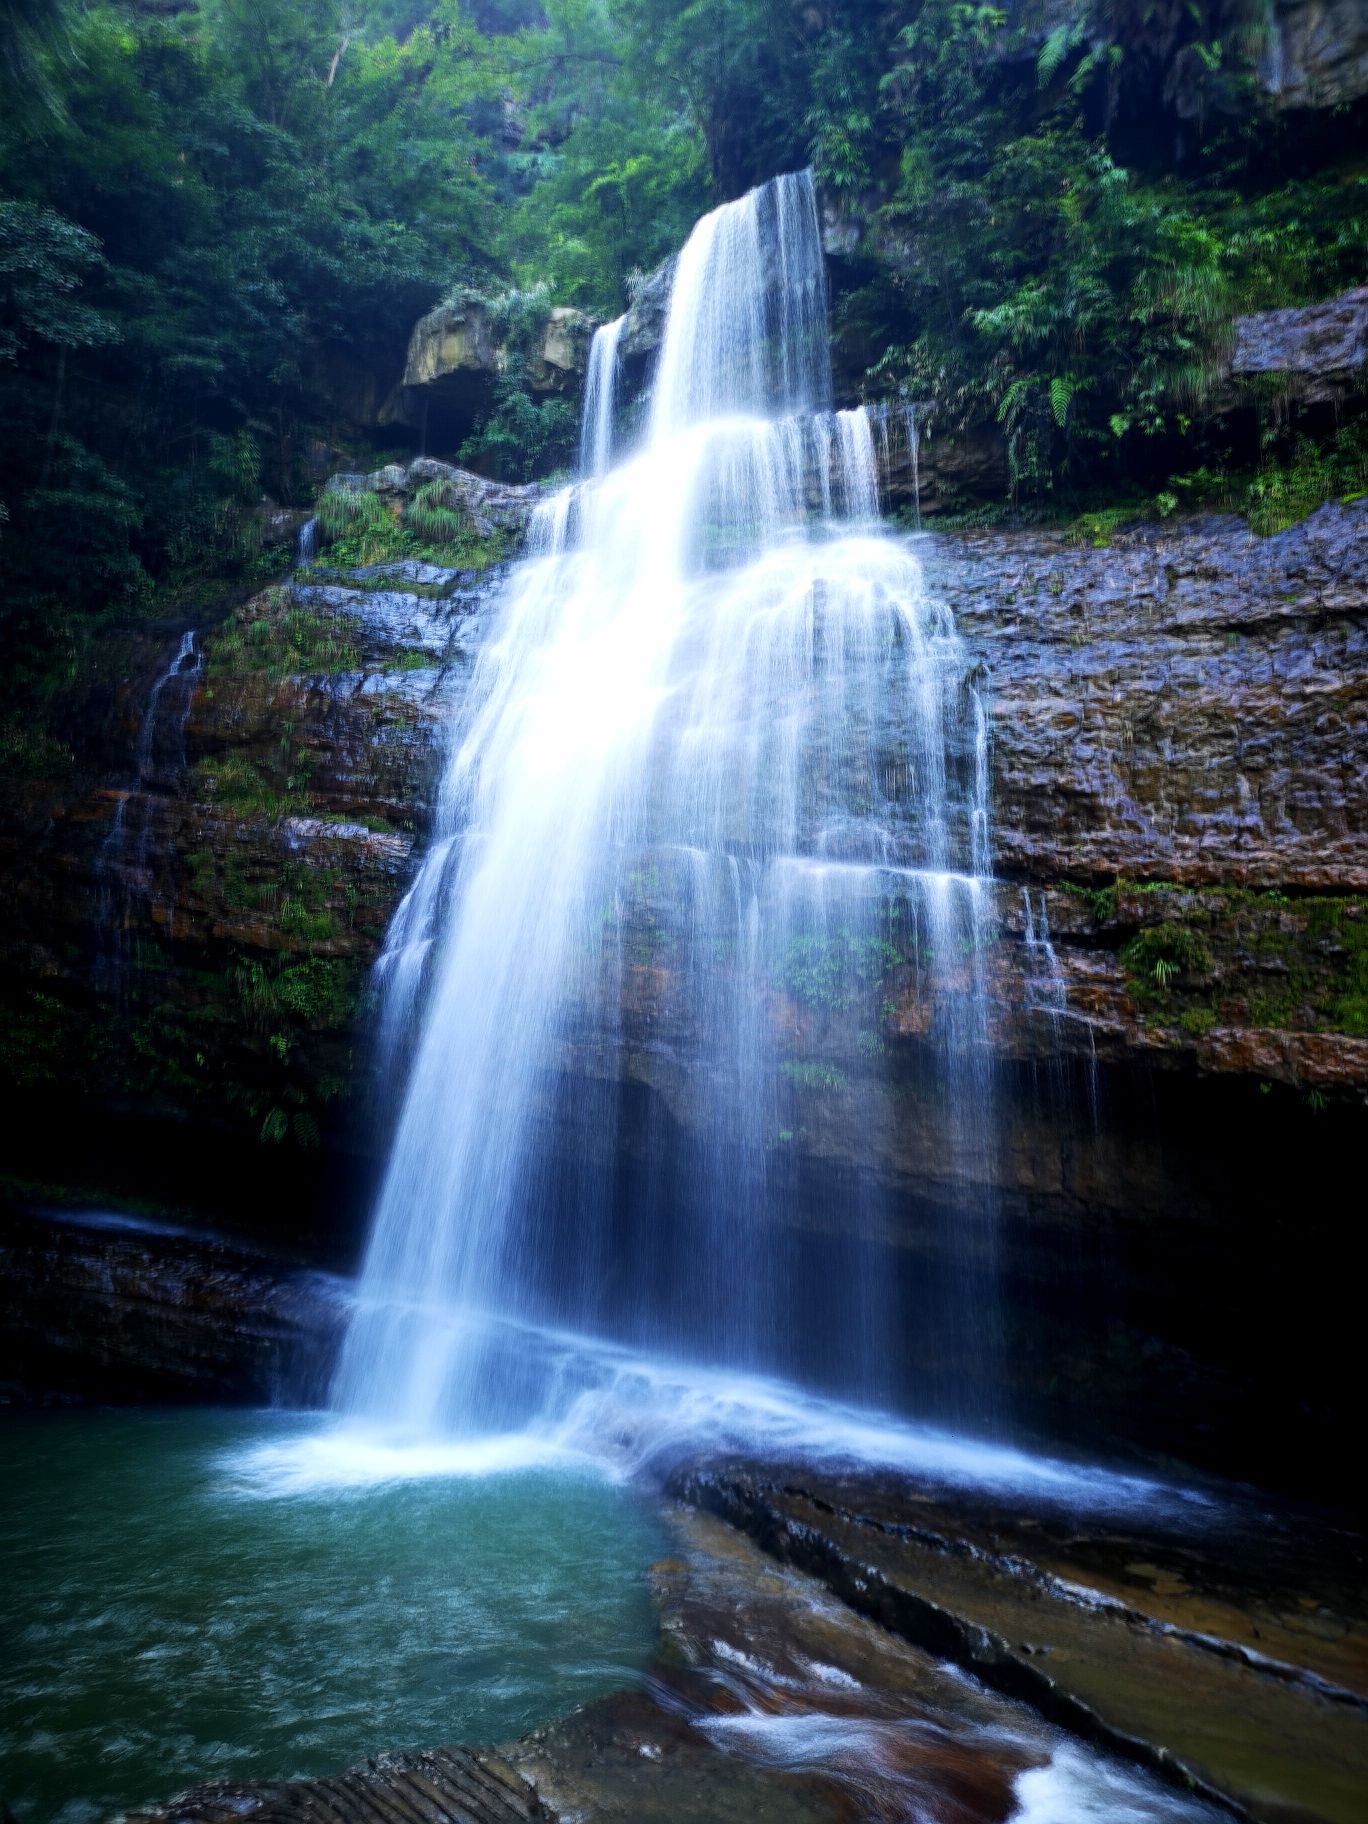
(644, 329)
(1322, 350)
(436, 1785)
(1315, 54)
(487, 506)
(458, 351)
(113, 1308)
(1227, 1696)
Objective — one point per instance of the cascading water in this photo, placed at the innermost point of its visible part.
(600, 398)
(721, 746)
(123, 865)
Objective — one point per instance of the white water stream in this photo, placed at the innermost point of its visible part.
(123, 866)
(685, 717)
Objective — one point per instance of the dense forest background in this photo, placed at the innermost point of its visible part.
(217, 217)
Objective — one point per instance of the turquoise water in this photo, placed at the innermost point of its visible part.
(163, 1625)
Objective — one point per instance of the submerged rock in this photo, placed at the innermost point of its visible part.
(437, 1785)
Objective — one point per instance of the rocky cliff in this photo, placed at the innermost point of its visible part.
(1176, 967)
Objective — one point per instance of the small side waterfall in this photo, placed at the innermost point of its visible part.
(123, 870)
(600, 398)
(722, 749)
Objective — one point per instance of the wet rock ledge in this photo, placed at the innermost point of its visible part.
(104, 1307)
(1244, 1683)
(431, 1786)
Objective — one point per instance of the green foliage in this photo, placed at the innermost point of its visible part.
(1101, 900)
(1283, 494)
(275, 637)
(318, 992)
(219, 205)
(1162, 954)
(839, 971)
(357, 526)
(521, 436)
(45, 261)
(1057, 272)
(208, 214)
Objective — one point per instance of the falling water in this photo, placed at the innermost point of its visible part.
(122, 868)
(1047, 997)
(720, 750)
(600, 397)
(306, 545)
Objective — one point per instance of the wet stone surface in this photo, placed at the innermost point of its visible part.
(768, 1699)
(108, 1308)
(1223, 1653)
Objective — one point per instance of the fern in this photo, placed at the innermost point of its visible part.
(1062, 40)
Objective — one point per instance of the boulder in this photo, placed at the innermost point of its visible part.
(491, 506)
(1315, 54)
(1321, 348)
(458, 351)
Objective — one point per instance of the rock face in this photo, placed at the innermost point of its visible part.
(1315, 54)
(1175, 707)
(111, 1308)
(1322, 349)
(457, 352)
(1179, 960)
(188, 941)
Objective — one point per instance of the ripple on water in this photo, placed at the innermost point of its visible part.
(162, 1629)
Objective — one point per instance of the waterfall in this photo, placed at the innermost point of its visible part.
(122, 868)
(720, 750)
(600, 398)
(306, 545)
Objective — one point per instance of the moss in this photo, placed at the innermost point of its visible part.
(1341, 926)
(1292, 964)
(246, 786)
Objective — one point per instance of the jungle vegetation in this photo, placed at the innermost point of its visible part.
(219, 218)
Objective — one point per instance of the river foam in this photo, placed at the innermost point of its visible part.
(621, 1413)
